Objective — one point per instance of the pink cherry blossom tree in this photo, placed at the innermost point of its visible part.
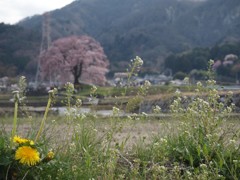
(74, 58)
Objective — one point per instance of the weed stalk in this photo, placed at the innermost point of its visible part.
(16, 101)
(51, 94)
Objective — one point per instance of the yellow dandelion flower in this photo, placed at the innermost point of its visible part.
(31, 142)
(20, 140)
(27, 155)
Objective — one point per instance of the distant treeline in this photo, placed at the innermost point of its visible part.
(19, 48)
(197, 60)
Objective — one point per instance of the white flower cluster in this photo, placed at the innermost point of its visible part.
(115, 110)
(156, 109)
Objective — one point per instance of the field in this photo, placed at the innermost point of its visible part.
(132, 129)
(137, 139)
(197, 140)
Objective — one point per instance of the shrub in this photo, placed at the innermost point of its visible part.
(180, 75)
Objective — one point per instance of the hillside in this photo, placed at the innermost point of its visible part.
(125, 28)
(152, 29)
(18, 49)
(211, 22)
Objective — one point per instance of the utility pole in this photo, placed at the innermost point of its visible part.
(45, 44)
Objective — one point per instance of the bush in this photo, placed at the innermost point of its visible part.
(180, 75)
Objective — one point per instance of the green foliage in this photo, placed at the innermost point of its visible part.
(20, 155)
(18, 46)
(180, 75)
(201, 140)
(194, 62)
(185, 62)
(220, 51)
(198, 74)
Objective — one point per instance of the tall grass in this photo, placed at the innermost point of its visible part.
(200, 145)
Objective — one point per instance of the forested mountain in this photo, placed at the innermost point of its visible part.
(18, 49)
(152, 29)
(211, 22)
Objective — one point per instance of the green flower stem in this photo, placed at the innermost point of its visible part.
(14, 129)
(25, 175)
(45, 116)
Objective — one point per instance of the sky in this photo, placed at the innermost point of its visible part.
(12, 11)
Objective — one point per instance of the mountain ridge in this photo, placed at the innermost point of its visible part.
(152, 29)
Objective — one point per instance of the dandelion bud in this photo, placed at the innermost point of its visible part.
(16, 96)
(50, 155)
(52, 93)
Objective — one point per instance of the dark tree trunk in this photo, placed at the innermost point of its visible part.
(77, 72)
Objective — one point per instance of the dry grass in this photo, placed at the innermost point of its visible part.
(133, 130)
